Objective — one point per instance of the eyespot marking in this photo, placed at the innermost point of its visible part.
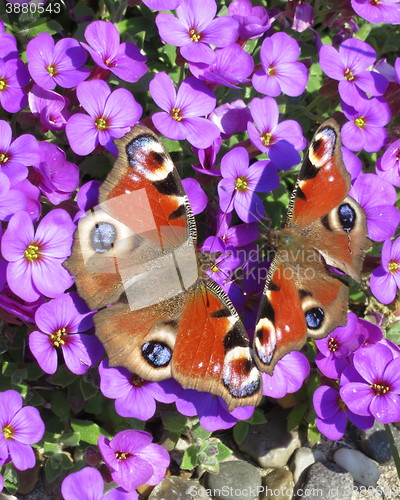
(157, 354)
(103, 236)
(314, 318)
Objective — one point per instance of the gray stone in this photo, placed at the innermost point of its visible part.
(278, 485)
(235, 479)
(325, 480)
(271, 444)
(177, 488)
(303, 458)
(375, 444)
(363, 469)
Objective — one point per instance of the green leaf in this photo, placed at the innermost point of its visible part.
(393, 332)
(174, 422)
(96, 166)
(190, 458)
(198, 432)
(223, 452)
(10, 479)
(70, 439)
(363, 32)
(63, 377)
(240, 431)
(51, 449)
(59, 404)
(88, 389)
(296, 416)
(258, 417)
(89, 431)
(313, 434)
(41, 26)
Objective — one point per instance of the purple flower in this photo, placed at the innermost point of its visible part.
(333, 350)
(365, 130)
(8, 45)
(240, 181)
(228, 261)
(35, 258)
(11, 200)
(111, 116)
(352, 162)
(16, 309)
(385, 279)
(280, 141)
(377, 198)
(236, 236)
(289, 375)
(32, 194)
(253, 21)
(56, 177)
(231, 117)
(13, 77)
(388, 165)
(124, 60)
(21, 427)
(135, 397)
(87, 484)
(332, 414)
(379, 393)
(280, 70)
(57, 320)
(229, 66)
(87, 198)
(397, 68)
(212, 410)
(197, 197)
(133, 459)
(349, 66)
(207, 158)
(162, 4)
(382, 11)
(303, 16)
(56, 64)
(195, 28)
(50, 107)
(17, 155)
(181, 118)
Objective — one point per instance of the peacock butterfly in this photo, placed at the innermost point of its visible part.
(160, 315)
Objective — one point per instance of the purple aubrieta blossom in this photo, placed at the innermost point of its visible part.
(378, 11)
(332, 414)
(13, 77)
(377, 197)
(280, 141)
(253, 21)
(56, 64)
(50, 107)
(224, 266)
(212, 410)
(197, 197)
(60, 323)
(162, 4)
(32, 193)
(352, 162)
(208, 158)
(124, 60)
(183, 110)
(289, 375)
(331, 358)
(385, 279)
(87, 198)
(17, 155)
(11, 200)
(135, 397)
(349, 65)
(379, 392)
(35, 258)
(88, 484)
(8, 44)
(385, 69)
(236, 236)
(229, 66)
(240, 182)
(231, 117)
(303, 16)
(388, 165)
(366, 128)
(133, 459)
(110, 116)
(21, 427)
(56, 177)
(281, 72)
(16, 309)
(195, 29)
(397, 69)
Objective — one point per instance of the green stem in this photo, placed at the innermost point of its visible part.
(119, 12)
(395, 451)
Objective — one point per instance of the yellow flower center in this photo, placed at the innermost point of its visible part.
(120, 455)
(58, 338)
(271, 70)
(176, 114)
(4, 158)
(360, 122)
(375, 2)
(8, 432)
(136, 381)
(349, 75)
(32, 253)
(393, 266)
(3, 84)
(194, 35)
(266, 138)
(101, 123)
(333, 345)
(214, 268)
(380, 389)
(52, 69)
(241, 183)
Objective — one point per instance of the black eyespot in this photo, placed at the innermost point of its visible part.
(347, 216)
(157, 354)
(103, 236)
(314, 318)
